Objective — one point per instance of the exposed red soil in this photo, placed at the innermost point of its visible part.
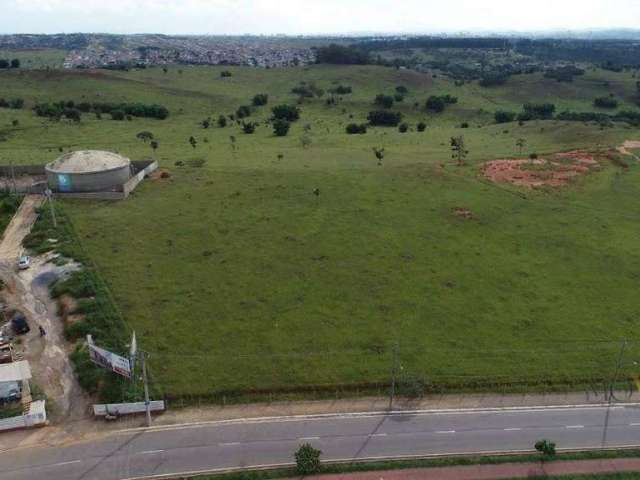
(557, 170)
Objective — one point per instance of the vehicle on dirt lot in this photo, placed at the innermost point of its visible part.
(6, 353)
(19, 324)
(23, 262)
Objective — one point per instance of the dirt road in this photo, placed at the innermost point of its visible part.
(27, 291)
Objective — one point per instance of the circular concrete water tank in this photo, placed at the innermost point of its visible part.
(88, 171)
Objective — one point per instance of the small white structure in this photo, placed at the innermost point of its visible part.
(14, 381)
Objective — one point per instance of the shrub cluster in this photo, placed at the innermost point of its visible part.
(14, 103)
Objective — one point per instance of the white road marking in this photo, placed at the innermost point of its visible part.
(634, 424)
(446, 431)
(378, 435)
(575, 426)
(324, 416)
(309, 438)
(512, 429)
(66, 463)
(149, 452)
(229, 444)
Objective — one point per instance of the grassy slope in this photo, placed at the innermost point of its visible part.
(241, 278)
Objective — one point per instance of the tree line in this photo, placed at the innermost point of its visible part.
(118, 111)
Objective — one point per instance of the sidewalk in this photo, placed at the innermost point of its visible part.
(494, 472)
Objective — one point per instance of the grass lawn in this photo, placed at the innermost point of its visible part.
(237, 278)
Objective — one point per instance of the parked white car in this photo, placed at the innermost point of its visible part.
(24, 262)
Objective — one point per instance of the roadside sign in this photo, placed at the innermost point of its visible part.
(109, 360)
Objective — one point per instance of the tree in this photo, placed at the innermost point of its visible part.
(307, 459)
(605, 102)
(15, 63)
(193, 141)
(546, 448)
(402, 90)
(435, 104)
(520, 143)
(342, 55)
(4, 63)
(206, 123)
(286, 112)
(384, 101)
(154, 145)
(222, 121)
(384, 118)
(145, 136)
(458, 150)
(421, 126)
(281, 127)
(502, 116)
(305, 141)
(379, 153)
(225, 74)
(243, 111)
(260, 99)
(15, 123)
(403, 128)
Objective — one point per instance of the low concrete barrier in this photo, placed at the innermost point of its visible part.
(36, 417)
(127, 408)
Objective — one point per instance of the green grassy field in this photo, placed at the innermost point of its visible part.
(36, 58)
(238, 278)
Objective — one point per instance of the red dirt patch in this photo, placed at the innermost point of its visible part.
(556, 171)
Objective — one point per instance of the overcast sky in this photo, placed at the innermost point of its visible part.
(312, 16)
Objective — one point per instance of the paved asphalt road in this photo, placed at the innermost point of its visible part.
(219, 445)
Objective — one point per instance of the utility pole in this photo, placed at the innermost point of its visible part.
(143, 358)
(13, 177)
(394, 371)
(610, 392)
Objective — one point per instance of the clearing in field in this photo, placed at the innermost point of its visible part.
(558, 170)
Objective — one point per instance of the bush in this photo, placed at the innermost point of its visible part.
(222, 121)
(464, 125)
(225, 74)
(356, 129)
(260, 100)
(249, 127)
(341, 90)
(403, 128)
(384, 118)
(493, 80)
(502, 116)
(546, 447)
(243, 111)
(307, 460)
(281, 127)
(402, 90)
(421, 127)
(605, 102)
(384, 101)
(286, 112)
(118, 115)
